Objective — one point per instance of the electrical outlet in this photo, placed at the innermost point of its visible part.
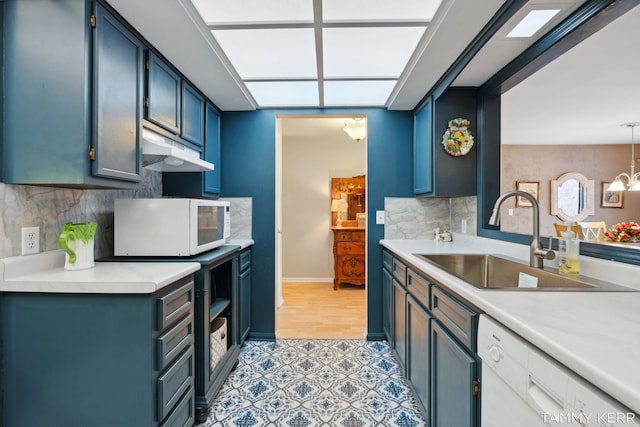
(510, 212)
(463, 226)
(379, 217)
(30, 240)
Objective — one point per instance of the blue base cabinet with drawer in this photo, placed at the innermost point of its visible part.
(433, 334)
(102, 360)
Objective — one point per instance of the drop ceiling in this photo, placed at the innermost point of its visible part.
(310, 53)
(224, 49)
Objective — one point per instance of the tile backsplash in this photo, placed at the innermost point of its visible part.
(415, 219)
(49, 208)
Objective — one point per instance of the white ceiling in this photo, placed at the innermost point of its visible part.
(176, 29)
(584, 95)
(314, 126)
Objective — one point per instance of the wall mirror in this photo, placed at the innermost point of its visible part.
(554, 115)
(572, 197)
(353, 191)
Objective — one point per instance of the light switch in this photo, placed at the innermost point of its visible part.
(379, 217)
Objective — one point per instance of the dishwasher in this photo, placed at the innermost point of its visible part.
(523, 387)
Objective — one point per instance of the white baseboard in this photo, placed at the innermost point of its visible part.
(308, 279)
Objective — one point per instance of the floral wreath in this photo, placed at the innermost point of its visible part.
(457, 140)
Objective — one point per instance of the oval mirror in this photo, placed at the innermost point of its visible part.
(572, 197)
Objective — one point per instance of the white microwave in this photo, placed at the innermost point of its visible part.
(169, 226)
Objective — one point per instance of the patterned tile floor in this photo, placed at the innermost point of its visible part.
(308, 383)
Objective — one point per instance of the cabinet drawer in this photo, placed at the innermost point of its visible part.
(350, 248)
(173, 342)
(245, 260)
(399, 271)
(172, 384)
(174, 305)
(350, 267)
(457, 318)
(357, 236)
(342, 236)
(183, 414)
(418, 286)
(387, 260)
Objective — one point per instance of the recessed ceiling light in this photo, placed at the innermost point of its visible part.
(530, 24)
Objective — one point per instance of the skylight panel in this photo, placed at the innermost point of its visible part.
(368, 52)
(285, 94)
(254, 11)
(532, 22)
(372, 93)
(272, 53)
(379, 10)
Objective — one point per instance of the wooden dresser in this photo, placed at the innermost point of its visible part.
(348, 255)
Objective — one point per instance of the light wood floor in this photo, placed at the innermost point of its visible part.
(315, 310)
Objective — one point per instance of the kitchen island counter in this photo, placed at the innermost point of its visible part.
(45, 273)
(594, 334)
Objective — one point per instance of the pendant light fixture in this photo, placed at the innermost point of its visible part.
(633, 179)
(356, 128)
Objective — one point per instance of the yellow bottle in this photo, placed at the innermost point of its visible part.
(569, 255)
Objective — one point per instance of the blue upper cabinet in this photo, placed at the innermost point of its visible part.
(199, 184)
(117, 99)
(192, 115)
(163, 100)
(212, 151)
(53, 76)
(423, 149)
(436, 172)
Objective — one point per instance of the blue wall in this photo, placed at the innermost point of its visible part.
(248, 170)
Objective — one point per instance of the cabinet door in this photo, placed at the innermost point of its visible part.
(244, 282)
(399, 322)
(453, 371)
(423, 149)
(163, 95)
(212, 150)
(117, 101)
(418, 356)
(387, 304)
(192, 128)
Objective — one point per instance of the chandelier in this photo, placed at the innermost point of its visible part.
(633, 179)
(356, 128)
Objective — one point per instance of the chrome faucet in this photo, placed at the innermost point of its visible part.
(538, 254)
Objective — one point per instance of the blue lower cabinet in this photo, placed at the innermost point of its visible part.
(453, 374)
(418, 350)
(399, 322)
(244, 291)
(387, 304)
(434, 336)
(102, 360)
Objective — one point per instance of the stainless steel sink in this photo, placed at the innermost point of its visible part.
(493, 272)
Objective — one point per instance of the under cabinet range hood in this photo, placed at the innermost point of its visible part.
(162, 154)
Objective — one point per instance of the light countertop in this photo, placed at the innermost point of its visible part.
(44, 272)
(243, 243)
(595, 334)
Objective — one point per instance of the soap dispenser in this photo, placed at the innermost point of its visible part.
(569, 255)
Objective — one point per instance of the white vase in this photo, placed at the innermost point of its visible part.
(84, 255)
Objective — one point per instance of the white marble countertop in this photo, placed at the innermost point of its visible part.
(243, 243)
(44, 272)
(595, 334)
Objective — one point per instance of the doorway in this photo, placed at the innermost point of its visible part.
(311, 150)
